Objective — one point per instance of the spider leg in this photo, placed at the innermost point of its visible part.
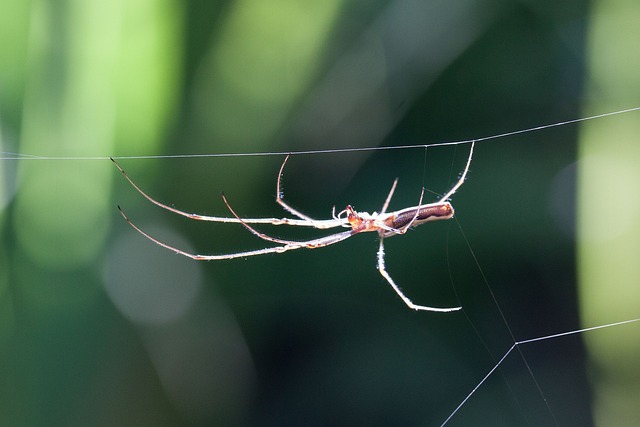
(310, 244)
(462, 177)
(383, 271)
(388, 200)
(321, 224)
(331, 223)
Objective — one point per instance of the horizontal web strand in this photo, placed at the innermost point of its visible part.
(19, 156)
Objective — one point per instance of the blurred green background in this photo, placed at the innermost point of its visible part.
(98, 326)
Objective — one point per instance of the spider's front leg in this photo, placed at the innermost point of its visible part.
(311, 222)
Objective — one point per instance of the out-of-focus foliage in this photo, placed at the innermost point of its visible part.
(98, 326)
(608, 249)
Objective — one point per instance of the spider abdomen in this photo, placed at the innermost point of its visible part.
(421, 214)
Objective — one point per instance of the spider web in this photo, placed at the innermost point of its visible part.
(317, 338)
(517, 367)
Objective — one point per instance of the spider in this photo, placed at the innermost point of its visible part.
(386, 224)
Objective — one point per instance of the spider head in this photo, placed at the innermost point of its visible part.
(354, 219)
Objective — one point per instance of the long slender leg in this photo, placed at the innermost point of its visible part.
(321, 224)
(462, 177)
(388, 200)
(309, 244)
(280, 195)
(407, 301)
(286, 246)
